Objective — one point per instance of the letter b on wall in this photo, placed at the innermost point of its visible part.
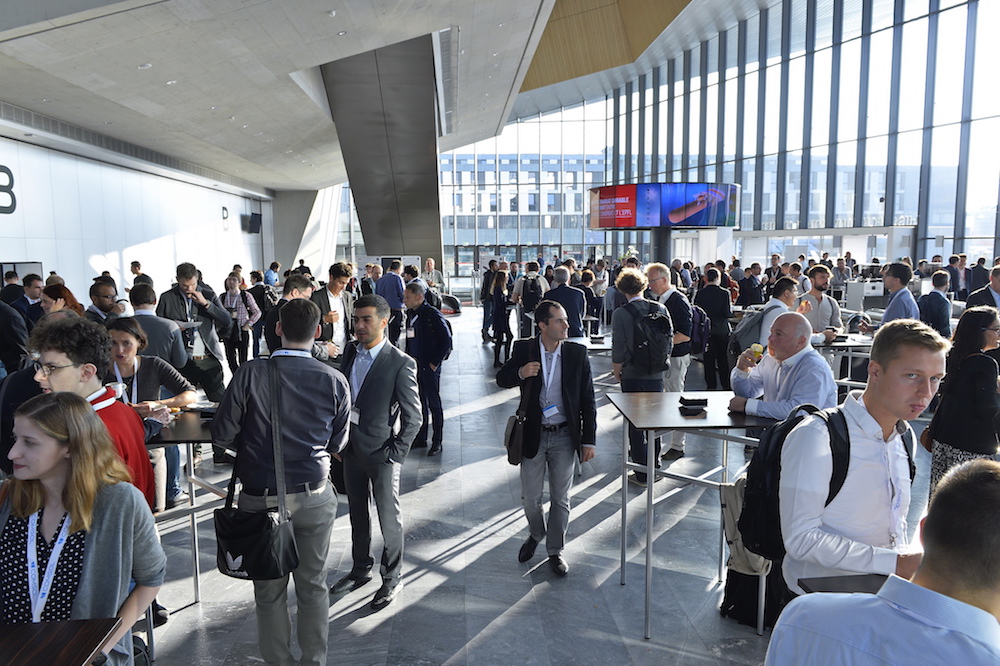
(8, 202)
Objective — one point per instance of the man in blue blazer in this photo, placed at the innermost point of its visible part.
(570, 298)
(384, 391)
(557, 390)
(428, 341)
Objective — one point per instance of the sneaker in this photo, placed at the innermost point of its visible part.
(672, 454)
(180, 498)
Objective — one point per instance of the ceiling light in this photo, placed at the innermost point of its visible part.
(107, 122)
(332, 13)
(342, 33)
(495, 55)
(232, 118)
(214, 108)
(257, 133)
(46, 99)
(500, 26)
(145, 65)
(245, 126)
(171, 82)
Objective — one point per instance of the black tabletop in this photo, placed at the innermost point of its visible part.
(186, 427)
(68, 643)
(657, 411)
(868, 583)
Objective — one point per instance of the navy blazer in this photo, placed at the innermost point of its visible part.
(982, 296)
(573, 302)
(577, 393)
(431, 339)
(935, 311)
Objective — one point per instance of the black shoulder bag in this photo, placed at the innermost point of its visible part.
(258, 545)
(513, 437)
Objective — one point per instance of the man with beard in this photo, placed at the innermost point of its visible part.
(824, 317)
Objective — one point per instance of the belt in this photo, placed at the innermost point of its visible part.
(199, 358)
(290, 489)
(554, 427)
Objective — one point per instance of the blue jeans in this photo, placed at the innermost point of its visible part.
(637, 438)
(487, 314)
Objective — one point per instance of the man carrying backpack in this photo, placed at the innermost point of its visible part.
(527, 294)
(680, 311)
(639, 353)
(862, 529)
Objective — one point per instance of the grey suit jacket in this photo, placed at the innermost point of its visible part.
(163, 339)
(389, 395)
(321, 297)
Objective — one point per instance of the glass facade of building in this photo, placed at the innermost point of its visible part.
(829, 113)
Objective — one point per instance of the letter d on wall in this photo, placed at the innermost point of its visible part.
(8, 190)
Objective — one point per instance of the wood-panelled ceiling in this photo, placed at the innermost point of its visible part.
(587, 36)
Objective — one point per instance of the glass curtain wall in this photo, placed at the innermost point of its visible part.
(833, 113)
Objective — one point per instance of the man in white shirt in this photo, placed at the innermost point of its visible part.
(337, 306)
(824, 311)
(792, 373)
(795, 272)
(947, 613)
(863, 529)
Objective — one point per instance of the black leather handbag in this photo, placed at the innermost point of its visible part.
(513, 438)
(258, 545)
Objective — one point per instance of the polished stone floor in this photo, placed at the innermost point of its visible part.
(466, 598)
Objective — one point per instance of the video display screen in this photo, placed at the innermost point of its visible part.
(677, 205)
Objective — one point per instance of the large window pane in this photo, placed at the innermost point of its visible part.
(772, 112)
(944, 176)
(908, 151)
(873, 197)
(817, 187)
(986, 93)
(847, 158)
(793, 181)
(824, 23)
(949, 80)
(822, 64)
(711, 123)
(984, 176)
(879, 83)
(913, 72)
(749, 104)
(850, 65)
(796, 110)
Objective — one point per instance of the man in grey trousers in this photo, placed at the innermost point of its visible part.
(315, 406)
(384, 390)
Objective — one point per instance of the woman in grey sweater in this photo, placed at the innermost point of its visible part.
(70, 515)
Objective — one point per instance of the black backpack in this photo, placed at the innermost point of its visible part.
(652, 339)
(701, 329)
(760, 520)
(531, 293)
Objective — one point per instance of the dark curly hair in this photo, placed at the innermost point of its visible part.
(82, 340)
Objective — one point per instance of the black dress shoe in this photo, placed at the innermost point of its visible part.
(558, 565)
(435, 450)
(160, 614)
(349, 583)
(527, 549)
(385, 595)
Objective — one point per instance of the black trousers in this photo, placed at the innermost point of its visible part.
(207, 373)
(429, 382)
(717, 362)
(637, 438)
(236, 349)
(396, 326)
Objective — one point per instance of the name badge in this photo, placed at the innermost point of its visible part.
(355, 416)
(550, 411)
(411, 333)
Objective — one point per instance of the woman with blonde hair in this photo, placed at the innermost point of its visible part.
(74, 533)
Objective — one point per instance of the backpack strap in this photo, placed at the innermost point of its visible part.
(907, 436)
(840, 448)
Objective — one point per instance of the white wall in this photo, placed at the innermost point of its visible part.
(80, 217)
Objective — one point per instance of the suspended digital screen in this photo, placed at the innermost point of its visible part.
(652, 205)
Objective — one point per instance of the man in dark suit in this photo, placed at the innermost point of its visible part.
(979, 275)
(715, 301)
(485, 289)
(384, 390)
(988, 295)
(428, 341)
(934, 306)
(11, 289)
(296, 286)
(570, 298)
(163, 336)
(337, 306)
(557, 390)
(30, 302)
(957, 277)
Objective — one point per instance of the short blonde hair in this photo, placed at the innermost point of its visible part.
(904, 332)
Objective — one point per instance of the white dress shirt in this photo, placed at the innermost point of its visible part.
(339, 326)
(781, 386)
(864, 527)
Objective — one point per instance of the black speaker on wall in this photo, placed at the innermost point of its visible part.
(254, 225)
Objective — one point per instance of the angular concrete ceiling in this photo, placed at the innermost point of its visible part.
(223, 84)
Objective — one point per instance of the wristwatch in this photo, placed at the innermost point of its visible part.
(99, 660)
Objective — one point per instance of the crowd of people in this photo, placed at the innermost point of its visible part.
(356, 363)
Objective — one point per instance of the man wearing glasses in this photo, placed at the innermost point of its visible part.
(72, 355)
(104, 306)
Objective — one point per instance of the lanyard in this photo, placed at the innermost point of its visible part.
(291, 352)
(135, 379)
(40, 595)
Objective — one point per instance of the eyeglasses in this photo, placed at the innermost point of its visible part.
(111, 296)
(995, 329)
(47, 368)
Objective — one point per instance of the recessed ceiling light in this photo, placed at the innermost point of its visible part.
(232, 118)
(245, 126)
(268, 140)
(145, 65)
(342, 33)
(214, 108)
(500, 26)
(495, 55)
(46, 99)
(171, 82)
(107, 122)
(288, 152)
(332, 13)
